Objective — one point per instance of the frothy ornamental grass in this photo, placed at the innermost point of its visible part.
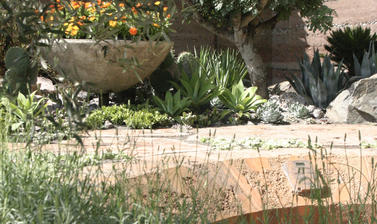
(122, 19)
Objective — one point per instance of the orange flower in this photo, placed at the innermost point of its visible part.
(156, 25)
(105, 4)
(75, 5)
(88, 5)
(121, 5)
(138, 5)
(99, 2)
(132, 31)
(165, 8)
(168, 16)
(133, 9)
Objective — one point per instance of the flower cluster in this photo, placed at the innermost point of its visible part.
(124, 19)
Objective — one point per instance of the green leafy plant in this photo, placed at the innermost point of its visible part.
(319, 83)
(21, 71)
(344, 43)
(241, 100)
(26, 111)
(173, 105)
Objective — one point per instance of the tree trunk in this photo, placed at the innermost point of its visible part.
(254, 63)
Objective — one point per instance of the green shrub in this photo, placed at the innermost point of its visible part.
(126, 115)
(344, 43)
(319, 83)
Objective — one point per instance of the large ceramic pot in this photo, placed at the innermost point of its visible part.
(107, 65)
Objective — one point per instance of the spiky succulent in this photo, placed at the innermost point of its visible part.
(319, 83)
(367, 67)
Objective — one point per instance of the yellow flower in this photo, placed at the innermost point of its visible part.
(92, 10)
(91, 18)
(156, 25)
(112, 23)
(165, 8)
(72, 29)
(157, 3)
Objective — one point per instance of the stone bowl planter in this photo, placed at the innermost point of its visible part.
(108, 65)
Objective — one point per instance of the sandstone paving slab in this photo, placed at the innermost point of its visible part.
(253, 178)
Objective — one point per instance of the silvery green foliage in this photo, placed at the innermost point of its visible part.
(270, 112)
(320, 82)
(367, 67)
(298, 110)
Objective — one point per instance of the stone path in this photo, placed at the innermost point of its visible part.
(248, 170)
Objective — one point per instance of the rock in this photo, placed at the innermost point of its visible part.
(82, 95)
(311, 108)
(52, 106)
(45, 85)
(107, 125)
(357, 104)
(318, 113)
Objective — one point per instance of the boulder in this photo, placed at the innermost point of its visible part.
(357, 104)
(45, 85)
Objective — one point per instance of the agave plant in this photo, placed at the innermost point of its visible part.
(241, 100)
(344, 43)
(173, 105)
(198, 85)
(368, 66)
(319, 83)
(227, 69)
